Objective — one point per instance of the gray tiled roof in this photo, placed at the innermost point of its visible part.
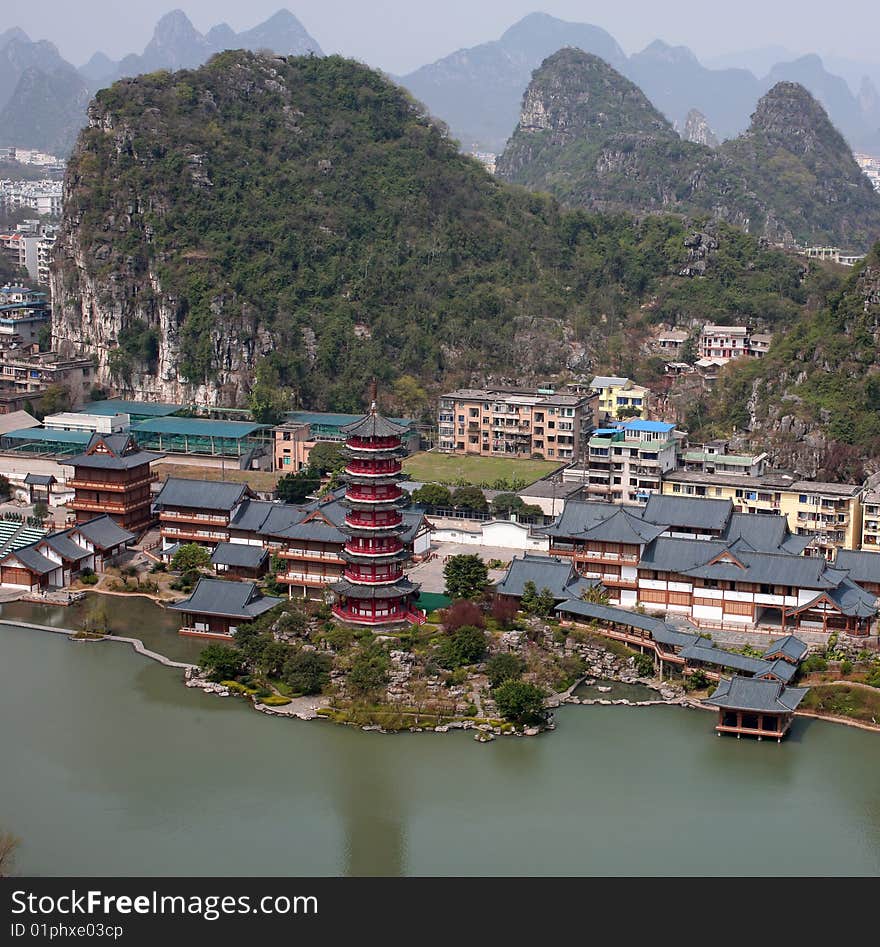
(373, 425)
(781, 670)
(226, 599)
(726, 659)
(280, 518)
(580, 516)
(679, 555)
(200, 494)
(691, 512)
(242, 555)
(65, 546)
(849, 598)
(313, 531)
(862, 566)
(393, 590)
(756, 695)
(123, 455)
(40, 480)
(792, 648)
(763, 532)
(251, 515)
(558, 575)
(35, 561)
(623, 527)
(103, 532)
(805, 572)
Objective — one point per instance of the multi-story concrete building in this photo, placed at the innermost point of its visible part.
(625, 463)
(722, 344)
(713, 457)
(829, 513)
(871, 521)
(516, 422)
(620, 397)
(35, 373)
(23, 313)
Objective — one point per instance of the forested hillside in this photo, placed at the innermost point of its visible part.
(300, 222)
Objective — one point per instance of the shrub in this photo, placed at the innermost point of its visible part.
(369, 670)
(644, 665)
(221, 662)
(89, 578)
(307, 672)
(466, 645)
(504, 667)
(460, 613)
(520, 702)
(276, 700)
(814, 663)
(696, 681)
(846, 667)
(190, 557)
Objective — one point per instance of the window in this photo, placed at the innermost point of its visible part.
(766, 589)
(286, 461)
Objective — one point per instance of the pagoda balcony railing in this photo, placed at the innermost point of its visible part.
(373, 494)
(373, 520)
(111, 486)
(372, 618)
(391, 550)
(379, 578)
(374, 468)
(373, 443)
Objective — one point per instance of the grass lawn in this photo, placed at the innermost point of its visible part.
(434, 467)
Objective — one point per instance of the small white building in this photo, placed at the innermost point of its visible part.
(93, 423)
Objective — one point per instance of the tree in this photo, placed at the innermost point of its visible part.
(268, 401)
(327, 457)
(466, 645)
(295, 487)
(528, 601)
(502, 667)
(689, 351)
(189, 557)
(466, 576)
(307, 671)
(221, 662)
(433, 495)
(546, 603)
(41, 511)
(470, 498)
(462, 612)
(597, 594)
(97, 618)
(54, 399)
(507, 503)
(504, 610)
(369, 670)
(8, 846)
(410, 396)
(520, 702)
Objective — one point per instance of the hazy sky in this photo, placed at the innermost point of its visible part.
(399, 35)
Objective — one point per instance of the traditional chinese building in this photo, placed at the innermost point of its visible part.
(373, 590)
(113, 476)
(755, 708)
(217, 608)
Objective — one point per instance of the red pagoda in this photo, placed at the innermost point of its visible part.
(373, 590)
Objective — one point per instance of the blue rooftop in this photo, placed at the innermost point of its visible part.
(198, 427)
(653, 427)
(110, 406)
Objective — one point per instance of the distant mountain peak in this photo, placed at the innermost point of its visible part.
(672, 54)
(790, 116)
(13, 33)
(698, 130)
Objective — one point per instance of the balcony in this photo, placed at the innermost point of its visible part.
(104, 506)
(376, 468)
(311, 579)
(205, 536)
(361, 520)
(310, 555)
(197, 518)
(378, 578)
(110, 486)
(373, 494)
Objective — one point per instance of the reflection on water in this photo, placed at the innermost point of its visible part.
(131, 616)
(615, 691)
(112, 767)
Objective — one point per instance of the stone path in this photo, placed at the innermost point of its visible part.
(136, 643)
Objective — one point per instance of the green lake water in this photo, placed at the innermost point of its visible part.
(112, 767)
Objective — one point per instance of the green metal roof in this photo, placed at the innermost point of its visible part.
(42, 434)
(331, 419)
(198, 427)
(146, 409)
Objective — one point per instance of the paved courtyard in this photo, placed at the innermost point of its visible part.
(430, 573)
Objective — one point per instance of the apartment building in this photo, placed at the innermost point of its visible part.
(722, 344)
(625, 463)
(714, 457)
(620, 397)
(516, 422)
(23, 313)
(34, 373)
(30, 246)
(829, 513)
(871, 521)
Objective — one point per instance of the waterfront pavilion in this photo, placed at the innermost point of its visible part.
(753, 707)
